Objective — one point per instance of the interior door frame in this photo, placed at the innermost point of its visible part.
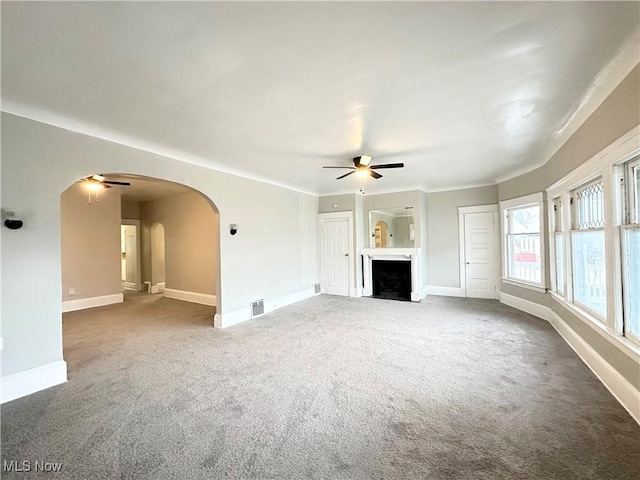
(348, 215)
(462, 211)
(136, 223)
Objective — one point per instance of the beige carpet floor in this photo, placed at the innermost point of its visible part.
(328, 388)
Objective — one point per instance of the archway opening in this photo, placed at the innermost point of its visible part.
(137, 258)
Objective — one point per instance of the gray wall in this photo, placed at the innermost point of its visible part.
(625, 365)
(90, 243)
(343, 203)
(360, 206)
(617, 115)
(130, 209)
(443, 251)
(275, 252)
(191, 232)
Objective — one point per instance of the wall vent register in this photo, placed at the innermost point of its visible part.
(257, 308)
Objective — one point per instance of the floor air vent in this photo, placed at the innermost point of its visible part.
(257, 308)
(316, 289)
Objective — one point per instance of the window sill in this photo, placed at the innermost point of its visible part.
(528, 286)
(623, 344)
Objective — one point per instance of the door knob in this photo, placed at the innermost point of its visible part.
(468, 263)
(346, 254)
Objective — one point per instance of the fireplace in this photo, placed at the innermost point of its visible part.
(392, 279)
(404, 264)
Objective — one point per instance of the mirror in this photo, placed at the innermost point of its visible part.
(391, 228)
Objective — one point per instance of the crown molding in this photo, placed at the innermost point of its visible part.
(66, 123)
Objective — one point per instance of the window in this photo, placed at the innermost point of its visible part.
(594, 242)
(521, 247)
(588, 247)
(631, 252)
(558, 239)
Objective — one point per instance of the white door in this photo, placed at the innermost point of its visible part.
(480, 255)
(131, 257)
(335, 255)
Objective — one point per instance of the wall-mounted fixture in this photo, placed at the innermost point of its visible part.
(233, 229)
(11, 218)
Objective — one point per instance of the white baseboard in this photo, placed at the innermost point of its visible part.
(532, 308)
(158, 287)
(193, 297)
(445, 291)
(620, 388)
(33, 380)
(225, 320)
(82, 303)
(424, 291)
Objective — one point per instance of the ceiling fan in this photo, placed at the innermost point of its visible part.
(362, 168)
(98, 182)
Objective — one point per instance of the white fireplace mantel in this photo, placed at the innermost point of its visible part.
(407, 254)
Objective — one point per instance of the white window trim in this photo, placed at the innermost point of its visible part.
(505, 205)
(630, 213)
(621, 343)
(604, 164)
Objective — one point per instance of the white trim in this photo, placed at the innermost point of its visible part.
(530, 199)
(136, 223)
(158, 287)
(416, 188)
(528, 286)
(514, 204)
(462, 269)
(129, 286)
(1, 344)
(389, 252)
(411, 255)
(479, 208)
(626, 394)
(424, 291)
(193, 297)
(91, 130)
(352, 288)
(445, 291)
(462, 211)
(224, 320)
(623, 344)
(619, 386)
(527, 306)
(624, 148)
(91, 302)
(24, 383)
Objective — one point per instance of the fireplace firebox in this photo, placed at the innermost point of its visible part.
(392, 279)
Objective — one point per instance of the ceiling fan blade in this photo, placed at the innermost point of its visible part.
(375, 175)
(345, 175)
(126, 184)
(352, 168)
(387, 165)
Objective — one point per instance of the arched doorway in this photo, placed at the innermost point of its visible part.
(179, 256)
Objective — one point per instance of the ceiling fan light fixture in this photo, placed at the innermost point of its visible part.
(365, 159)
(98, 178)
(362, 173)
(94, 185)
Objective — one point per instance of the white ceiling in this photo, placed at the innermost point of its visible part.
(462, 93)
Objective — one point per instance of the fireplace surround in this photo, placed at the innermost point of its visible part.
(408, 256)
